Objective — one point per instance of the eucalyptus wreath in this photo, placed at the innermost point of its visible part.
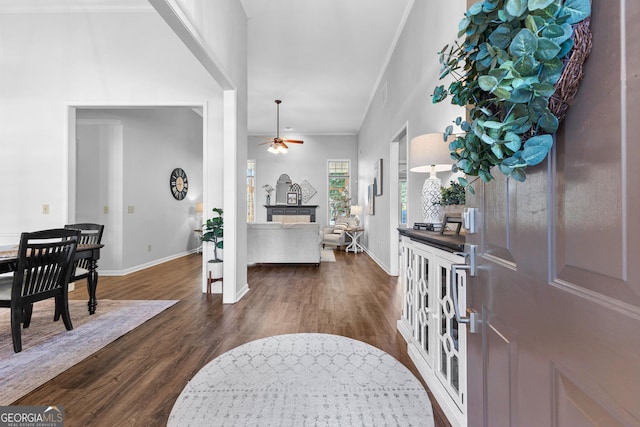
(504, 72)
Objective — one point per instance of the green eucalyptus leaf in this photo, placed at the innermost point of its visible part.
(504, 16)
(576, 10)
(518, 174)
(558, 33)
(501, 36)
(514, 161)
(489, 5)
(526, 65)
(502, 92)
(543, 89)
(463, 181)
(497, 150)
(565, 48)
(536, 149)
(539, 4)
(475, 9)
(448, 131)
(512, 141)
(521, 95)
(547, 49)
(463, 24)
(516, 7)
(530, 24)
(439, 94)
(487, 83)
(484, 175)
(548, 122)
(492, 125)
(487, 139)
(551, 11)
(551, 71)
(465, 165)
(524, 43)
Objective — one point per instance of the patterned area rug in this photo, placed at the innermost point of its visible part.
(327, 255)
(303, 380)
(48, 349)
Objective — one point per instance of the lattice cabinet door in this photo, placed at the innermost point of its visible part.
(424, 287)
(406, 325)
(451, 336)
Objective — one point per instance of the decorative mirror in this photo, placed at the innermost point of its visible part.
(282, 188)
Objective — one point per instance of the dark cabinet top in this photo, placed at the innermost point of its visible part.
(446, 242)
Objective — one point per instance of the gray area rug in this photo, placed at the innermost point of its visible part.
(48, 349)
(327, 255)
(303, 380)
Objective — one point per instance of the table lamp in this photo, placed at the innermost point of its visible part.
(355, 211)
(429, 153)
(199, 210)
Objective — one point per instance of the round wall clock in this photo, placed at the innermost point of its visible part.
(178, 184)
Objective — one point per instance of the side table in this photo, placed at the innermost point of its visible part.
(354, 234)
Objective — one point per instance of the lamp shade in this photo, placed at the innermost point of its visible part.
(356, 210)
(199, 207)
(430, 150)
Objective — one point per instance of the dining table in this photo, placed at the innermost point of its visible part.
(90, 252)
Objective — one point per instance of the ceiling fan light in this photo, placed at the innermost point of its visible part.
(272, 149)
(282, 150)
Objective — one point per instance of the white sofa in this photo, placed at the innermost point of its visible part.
(275, 242)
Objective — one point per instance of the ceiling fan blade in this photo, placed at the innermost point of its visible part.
(294, 141)
(283, 144)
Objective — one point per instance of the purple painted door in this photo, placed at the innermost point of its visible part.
(558, 283)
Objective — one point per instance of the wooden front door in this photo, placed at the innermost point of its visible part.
(558, 282)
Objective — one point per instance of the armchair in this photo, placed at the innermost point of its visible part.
(335, 235)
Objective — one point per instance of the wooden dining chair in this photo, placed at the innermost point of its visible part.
(90, 234)
(45, 261)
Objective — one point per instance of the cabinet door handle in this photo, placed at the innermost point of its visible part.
(472, 319)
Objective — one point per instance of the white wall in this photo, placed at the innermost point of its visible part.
(410, 78)
(156, 140)
(217, 34)
(303, 162)
(52, 61)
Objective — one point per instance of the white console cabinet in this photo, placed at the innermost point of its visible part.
(437, 343)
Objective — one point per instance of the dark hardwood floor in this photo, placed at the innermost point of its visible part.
(135, 380)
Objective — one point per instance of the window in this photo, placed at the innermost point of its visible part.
(403, 201)
(339, 200)
(251, 190)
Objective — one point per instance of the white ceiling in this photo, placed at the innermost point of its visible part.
(322, 58)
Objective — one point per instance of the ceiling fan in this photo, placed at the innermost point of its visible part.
(279, 145)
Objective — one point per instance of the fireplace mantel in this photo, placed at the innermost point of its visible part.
(309, 210)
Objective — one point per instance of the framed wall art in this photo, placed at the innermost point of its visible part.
(292, 198)
(371, 199)
(377, 177)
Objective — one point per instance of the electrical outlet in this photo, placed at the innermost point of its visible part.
(149, 248)
(131, 209)
(105, 210)
(45, 209)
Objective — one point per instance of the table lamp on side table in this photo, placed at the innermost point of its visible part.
(429, 153)
(355, 211)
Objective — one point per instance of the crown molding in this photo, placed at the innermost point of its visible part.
(73, 6)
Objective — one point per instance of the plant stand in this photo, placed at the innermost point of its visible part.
(211, 280)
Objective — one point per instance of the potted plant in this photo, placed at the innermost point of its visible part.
(213, 232)
(454, 194)
(452, 198)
